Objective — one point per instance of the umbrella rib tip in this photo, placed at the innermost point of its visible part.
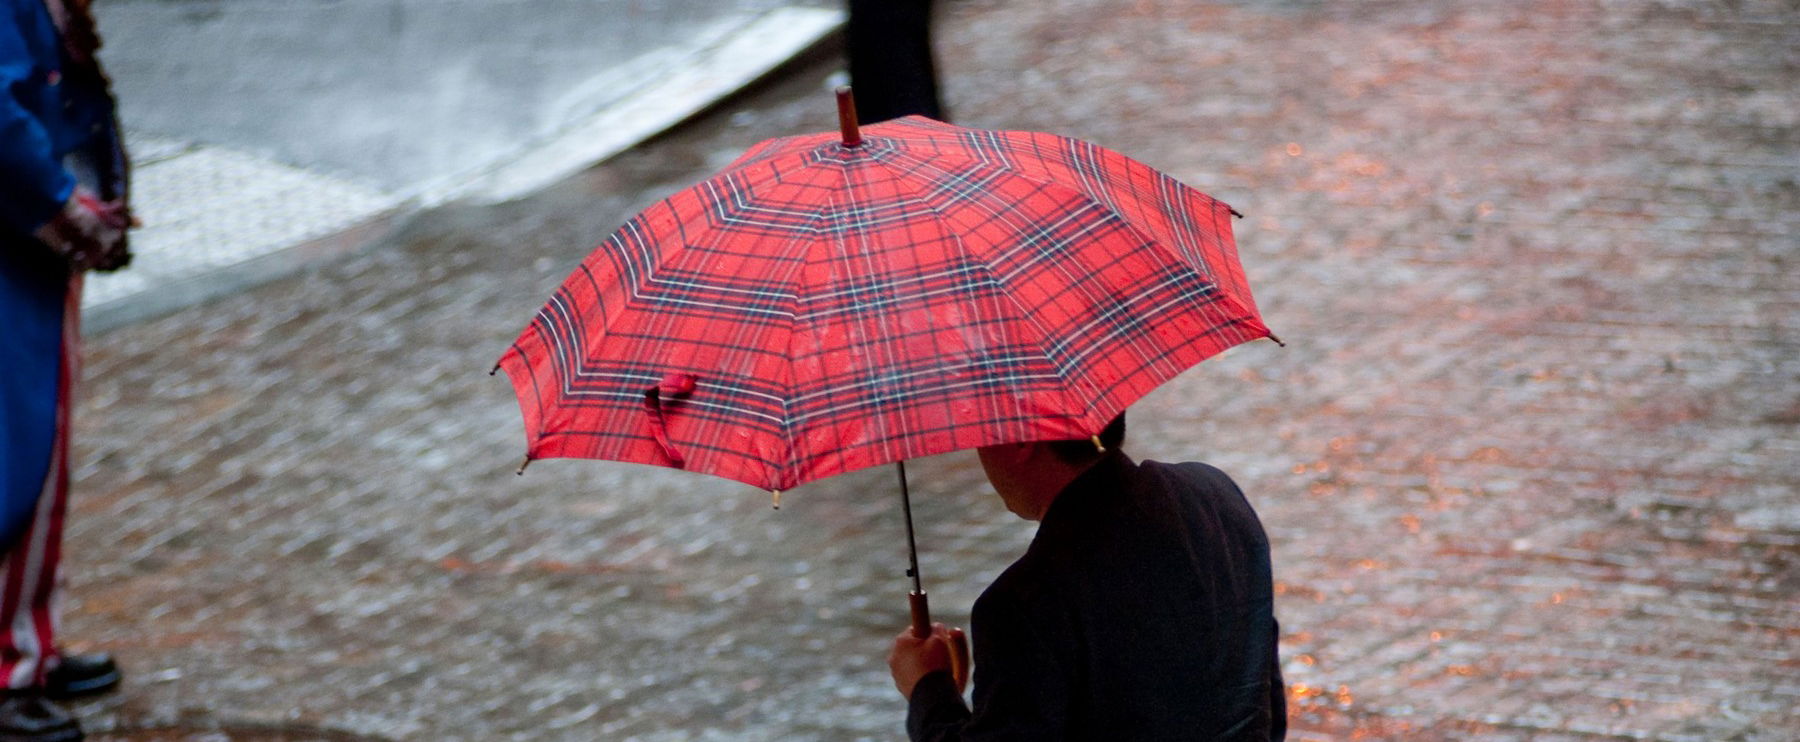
(775, 499)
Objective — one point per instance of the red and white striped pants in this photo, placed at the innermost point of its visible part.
(30, 597)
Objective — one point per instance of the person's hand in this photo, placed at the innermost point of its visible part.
(117, 215)
(913, 658)
(88, 233)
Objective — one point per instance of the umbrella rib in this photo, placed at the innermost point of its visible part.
(853, 228)
(793, 385)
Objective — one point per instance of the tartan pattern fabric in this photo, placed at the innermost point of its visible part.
(832, 308)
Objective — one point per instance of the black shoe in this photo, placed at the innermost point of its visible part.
(30, 717)
(81, 675)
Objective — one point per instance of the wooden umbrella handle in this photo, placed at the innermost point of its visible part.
(959, 642)
(921, 614)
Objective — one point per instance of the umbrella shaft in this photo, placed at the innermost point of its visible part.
(912, 548)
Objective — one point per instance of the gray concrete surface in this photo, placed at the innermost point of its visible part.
(396, 93)
(270, 134)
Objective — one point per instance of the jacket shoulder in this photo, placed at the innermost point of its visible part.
(1194, 473)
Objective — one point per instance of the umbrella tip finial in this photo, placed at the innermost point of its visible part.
(775, 498)
(847, 116)
(1097, 445)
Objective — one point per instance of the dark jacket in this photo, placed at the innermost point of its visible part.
(1143, 610)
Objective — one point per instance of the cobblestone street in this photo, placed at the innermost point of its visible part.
(1528, 461)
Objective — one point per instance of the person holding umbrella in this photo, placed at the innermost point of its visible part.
(840, 300)
(1142, 610)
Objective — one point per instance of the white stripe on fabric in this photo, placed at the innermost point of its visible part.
(1105, 342)
(1047, 234)
(1000, 363)
(1173, 196)
(633, 378)
(906, 395)
(24, 626)
(31, 566)
(740, 207)
(1116, 310)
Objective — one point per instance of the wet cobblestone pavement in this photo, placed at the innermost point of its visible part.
(1528, 462)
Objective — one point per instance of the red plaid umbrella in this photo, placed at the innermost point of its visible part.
(825, 304)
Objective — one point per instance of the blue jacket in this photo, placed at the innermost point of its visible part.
(49, 109)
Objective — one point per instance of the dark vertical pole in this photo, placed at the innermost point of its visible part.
(889, 44)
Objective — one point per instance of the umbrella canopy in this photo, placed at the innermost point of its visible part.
(825, 304)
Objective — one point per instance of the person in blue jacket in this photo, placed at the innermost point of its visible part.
(63, 211)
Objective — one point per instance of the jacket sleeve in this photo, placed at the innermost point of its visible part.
(1021, 686)
(1277, 689)
(33, 183)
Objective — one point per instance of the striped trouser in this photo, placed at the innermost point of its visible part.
(28, 605)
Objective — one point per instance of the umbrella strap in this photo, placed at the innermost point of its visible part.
(675, 385)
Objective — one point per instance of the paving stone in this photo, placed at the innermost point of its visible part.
(209, 207)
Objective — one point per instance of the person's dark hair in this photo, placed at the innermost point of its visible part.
(1082, 451)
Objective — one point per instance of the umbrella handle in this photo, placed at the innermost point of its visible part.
(921, 614)
(959, 642)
